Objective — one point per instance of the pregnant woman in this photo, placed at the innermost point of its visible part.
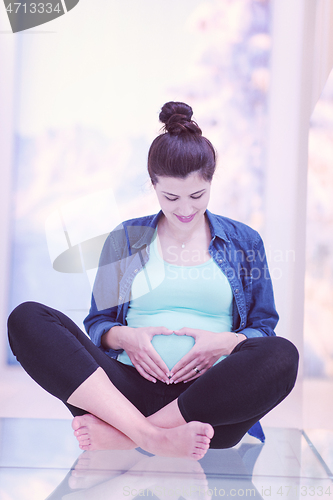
(182, 354)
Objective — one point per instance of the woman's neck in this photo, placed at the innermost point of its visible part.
(184, 248)
(183, 237)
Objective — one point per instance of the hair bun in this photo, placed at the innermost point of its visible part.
(177, 118)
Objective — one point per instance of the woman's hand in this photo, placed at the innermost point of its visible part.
(137, 344)
(208, 348)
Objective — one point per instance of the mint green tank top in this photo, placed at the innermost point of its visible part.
(174, 296)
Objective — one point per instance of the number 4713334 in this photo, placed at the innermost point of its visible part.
(33, 8)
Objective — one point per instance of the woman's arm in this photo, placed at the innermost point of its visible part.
(98, 323)
(104, 309)
(261, 315)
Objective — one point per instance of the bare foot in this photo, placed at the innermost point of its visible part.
(94, 434)
(190, 440)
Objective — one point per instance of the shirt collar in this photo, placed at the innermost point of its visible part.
(215, 225)
(148, 234)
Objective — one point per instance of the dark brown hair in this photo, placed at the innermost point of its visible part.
(180, 149)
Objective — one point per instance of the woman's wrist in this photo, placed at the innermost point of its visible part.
(112, 338)
(240, 337)
(233, 340)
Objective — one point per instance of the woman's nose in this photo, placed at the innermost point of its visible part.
(185, 210)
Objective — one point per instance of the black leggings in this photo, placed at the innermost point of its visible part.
(232, 395)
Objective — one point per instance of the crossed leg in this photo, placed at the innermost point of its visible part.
(64, 361)
(95, 434)
(232, 396)
(56, 353)
(97, 394)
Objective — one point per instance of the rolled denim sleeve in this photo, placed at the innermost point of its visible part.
(104, 302)
(99, 322)
(262, 316)
(251, 333)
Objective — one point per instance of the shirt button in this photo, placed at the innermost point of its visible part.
(135, 270)
(236, 291)
(243, 324)
(120, 298)
(220, 261)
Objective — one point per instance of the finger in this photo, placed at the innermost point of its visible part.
(182, 331)
(146, 370)
(187, 362)
(153, 370)
(189, 378)
(152, 359)
(143, 373)
(186, 331)
(193, 378)
(186, 373)
(165, 331)
(156, 363)
(184, 370)
(148, 360)
(160, 330)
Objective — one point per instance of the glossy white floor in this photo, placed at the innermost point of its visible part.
(38, 457)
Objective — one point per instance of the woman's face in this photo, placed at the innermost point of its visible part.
(183, 201)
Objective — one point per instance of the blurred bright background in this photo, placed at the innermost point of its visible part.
(80, 99)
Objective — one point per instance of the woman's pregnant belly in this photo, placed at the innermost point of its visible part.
(173, 347)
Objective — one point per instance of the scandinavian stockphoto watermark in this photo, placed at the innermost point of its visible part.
(189, 491)
(274, 492)
(25, 15)
(77, 231)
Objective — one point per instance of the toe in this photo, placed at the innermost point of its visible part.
(209, 431)
(197, 455)
(76, 423)
(83, 437)
(203, 440)
(85, 446)
(80, 432)
(201, 448)
(84, 441)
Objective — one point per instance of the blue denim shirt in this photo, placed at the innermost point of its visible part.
(236, 248)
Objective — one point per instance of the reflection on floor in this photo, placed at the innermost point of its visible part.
(40, 459)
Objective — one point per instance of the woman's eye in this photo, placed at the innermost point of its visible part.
(193, 198)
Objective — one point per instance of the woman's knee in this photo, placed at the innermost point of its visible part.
(277, 357)
(22, 314)
(286, 353)
(24, 325)
(284, 358)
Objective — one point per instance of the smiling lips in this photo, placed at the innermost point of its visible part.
(185, 219)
